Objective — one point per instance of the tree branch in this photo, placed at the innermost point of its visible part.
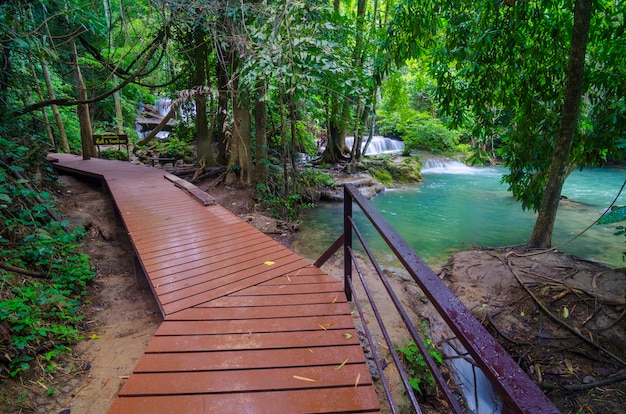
(23, 271)
(68, 102)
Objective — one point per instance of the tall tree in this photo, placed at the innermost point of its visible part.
(560, 165)
(504, 66)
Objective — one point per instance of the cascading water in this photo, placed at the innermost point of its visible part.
(163, 106)
(379, 145)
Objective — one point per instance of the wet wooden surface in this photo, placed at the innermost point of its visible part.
(249, 326)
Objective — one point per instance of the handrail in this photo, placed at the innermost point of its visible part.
(517, 391)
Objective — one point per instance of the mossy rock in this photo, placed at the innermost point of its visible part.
(407, 171)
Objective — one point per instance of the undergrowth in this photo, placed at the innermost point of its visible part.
(43, 276)
(420, 377)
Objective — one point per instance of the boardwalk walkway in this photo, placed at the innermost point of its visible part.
(249, 326)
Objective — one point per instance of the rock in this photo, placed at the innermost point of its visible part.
(366, 184)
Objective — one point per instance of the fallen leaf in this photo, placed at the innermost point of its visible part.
(288, 278)
(358, 377)
(304, 378)
(310, 350)
(342, 364)
(347, 335)
(334, 299)
(269, 263)
(94, 336)
(325, 326)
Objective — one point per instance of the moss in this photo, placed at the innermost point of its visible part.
(386, 171)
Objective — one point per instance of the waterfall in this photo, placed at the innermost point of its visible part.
(379, 145)
(447, 166)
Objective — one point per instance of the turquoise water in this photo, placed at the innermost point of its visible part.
(456, 207)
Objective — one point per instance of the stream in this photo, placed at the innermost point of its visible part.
(457, 207)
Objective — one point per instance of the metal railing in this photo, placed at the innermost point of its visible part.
(516, 390)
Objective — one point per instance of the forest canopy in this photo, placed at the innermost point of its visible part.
(530, 84)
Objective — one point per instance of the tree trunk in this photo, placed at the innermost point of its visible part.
(240, 166)
(542, 233)
(63, 142)
(119, 115)
(222, 105)
(44, 111)
(203, 135)
(261, 136)
(83, 112)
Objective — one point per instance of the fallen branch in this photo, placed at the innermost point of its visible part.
(23, 271)
(619, 376)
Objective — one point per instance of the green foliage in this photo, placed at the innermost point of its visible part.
(501, 70)
(41, 312)
(420, 377)
(287, 207)
(615, 216)
(406, 96)
(429, 134)
(114, 154)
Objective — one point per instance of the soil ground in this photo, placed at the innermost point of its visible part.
(574, 304)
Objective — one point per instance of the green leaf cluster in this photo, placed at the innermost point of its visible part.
(43, 275)
(420, 377)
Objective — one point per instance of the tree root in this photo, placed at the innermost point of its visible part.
(558, 320)
(617, 377)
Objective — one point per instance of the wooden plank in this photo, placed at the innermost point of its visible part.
(222, 273)
(254, 255)
(171, 259)
(205, 241)
(278, 299)
(333, 400)
(285, 324)
(292, 288)
(266, 340)
(249, 359)
(211, 382)
(265, 312)
(191, 189)
(205, 292)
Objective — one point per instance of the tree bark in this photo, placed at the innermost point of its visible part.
(203, 135)
(240, 166)
(83, 111)
(260, 120)
(63, 142)
(222, 104)
(542, 232)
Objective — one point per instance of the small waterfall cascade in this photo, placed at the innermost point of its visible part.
(446, 166)
(151, 115)
(379, 145)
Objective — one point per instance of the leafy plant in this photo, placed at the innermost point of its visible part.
(420, 377)
(43, 275)
(114, 154)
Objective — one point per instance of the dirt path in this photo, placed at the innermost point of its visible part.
(120, 319)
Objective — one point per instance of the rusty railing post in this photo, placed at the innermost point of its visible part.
(347, 242)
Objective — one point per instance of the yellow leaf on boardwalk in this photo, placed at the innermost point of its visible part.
(269, 263)
(304, 378)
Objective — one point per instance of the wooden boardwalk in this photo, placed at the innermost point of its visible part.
(249, 326)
